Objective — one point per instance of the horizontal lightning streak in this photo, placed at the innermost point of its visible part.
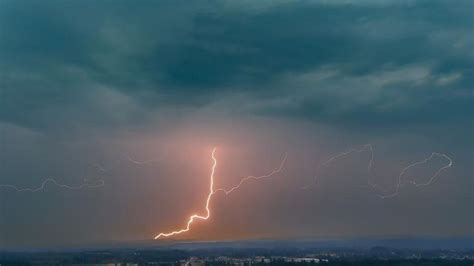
(337, 156)
(149, 161)
(129, 159)
(245, 179)
(400, 181)
(97, 184)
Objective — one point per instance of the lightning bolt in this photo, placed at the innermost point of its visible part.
(98, 183)
(400, 180)
(208, 200)
(213, 191)
(129, 159)
(149, 161)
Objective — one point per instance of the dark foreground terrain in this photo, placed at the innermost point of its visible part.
(253, 253)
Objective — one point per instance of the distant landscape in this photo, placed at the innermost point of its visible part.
(427, 251)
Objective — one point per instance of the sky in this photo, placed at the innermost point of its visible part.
(126, 100)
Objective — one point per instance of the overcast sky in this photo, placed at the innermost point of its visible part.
(88, 86)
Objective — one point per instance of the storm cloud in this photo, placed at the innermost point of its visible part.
(86, 81)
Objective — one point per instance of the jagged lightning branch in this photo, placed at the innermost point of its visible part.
(213, 191)
(400, 181)
(429, 182)
(129, 159)
(98, 183)
(149, 161)
(245, 179)
(340, 155)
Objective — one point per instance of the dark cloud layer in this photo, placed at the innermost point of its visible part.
(82, 81)
(192, 54)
